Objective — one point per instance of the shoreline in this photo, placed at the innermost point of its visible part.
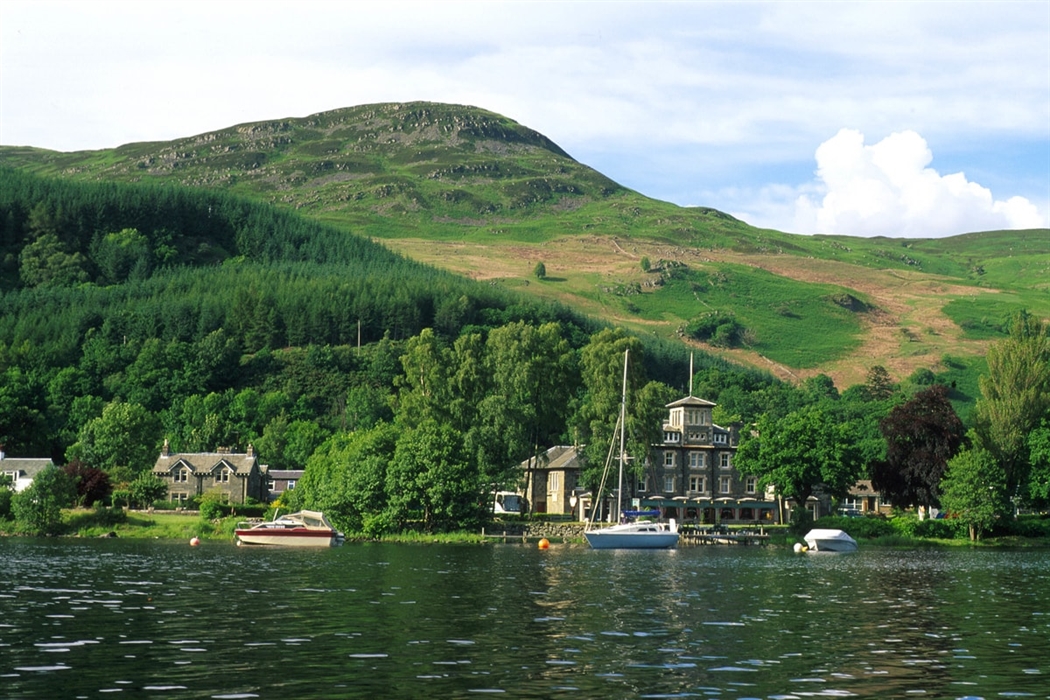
(144, 525)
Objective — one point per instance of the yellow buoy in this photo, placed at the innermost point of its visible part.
(544, 543)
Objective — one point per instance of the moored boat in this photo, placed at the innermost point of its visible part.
(634, 535)
(819, 540)
(631, 534)
(305, 528)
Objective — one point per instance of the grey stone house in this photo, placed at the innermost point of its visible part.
(690, 475)
(236, 476)
(551, 481)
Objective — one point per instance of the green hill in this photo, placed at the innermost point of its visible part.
(479, 195)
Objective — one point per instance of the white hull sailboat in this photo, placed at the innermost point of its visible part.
(636, 535)
(639, 534)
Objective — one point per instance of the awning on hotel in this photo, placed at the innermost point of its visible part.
(675, 502)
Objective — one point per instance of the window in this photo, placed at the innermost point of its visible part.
(669, 484)
(291, 484)
(749, 484)
(643, 484)
(696, 483)
(670, 436)
(724, 457)
(180, 497)
(224, 475)
(668, 459)
(696, 460)
(182, 475)
(724, 484)
(552, 482)
(720, 438)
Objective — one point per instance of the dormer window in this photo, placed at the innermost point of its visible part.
(224, 475)
(182, 475)
(671, 436)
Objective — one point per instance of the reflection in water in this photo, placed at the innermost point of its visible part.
(97, 618)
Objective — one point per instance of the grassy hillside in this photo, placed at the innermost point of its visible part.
(480, 195)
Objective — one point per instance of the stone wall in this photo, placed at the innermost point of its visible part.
(533, 531)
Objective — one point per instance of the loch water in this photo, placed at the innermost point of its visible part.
(150, 619)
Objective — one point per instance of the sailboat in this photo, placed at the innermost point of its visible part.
(634, 534)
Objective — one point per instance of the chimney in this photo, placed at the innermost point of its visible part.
(251, 450)
(166, 450)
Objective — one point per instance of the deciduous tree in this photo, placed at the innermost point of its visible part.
(921, 436)
(430, 480)
(92, 484)
(1015, 396)
(38, 509)
(806, 450)
(147, 488)
(126, 434)
(974, 490)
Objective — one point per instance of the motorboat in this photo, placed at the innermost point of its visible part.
(630, 533)
(819, 540)
(305, 528)
(640, 534)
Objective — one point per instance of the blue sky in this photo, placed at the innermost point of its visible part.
(891, 118)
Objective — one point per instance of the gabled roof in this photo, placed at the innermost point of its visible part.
(691, 401)
(24, 467)
(206, 462)
(559, 457)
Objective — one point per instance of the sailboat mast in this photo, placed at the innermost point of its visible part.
(623, 431)
(690, 374)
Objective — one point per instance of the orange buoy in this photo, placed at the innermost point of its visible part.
(194, 541)
(544, 543)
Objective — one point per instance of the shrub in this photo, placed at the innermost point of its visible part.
(867, 528)
(944, 529)
(212, 509)
(720, 328)
(5, 503)
(1024, 526)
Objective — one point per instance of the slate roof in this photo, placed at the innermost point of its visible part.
(207, 462)
(557, 457)
(26, 467)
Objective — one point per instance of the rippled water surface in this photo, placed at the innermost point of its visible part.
(110, 618)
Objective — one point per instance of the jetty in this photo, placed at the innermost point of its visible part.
(693, 534)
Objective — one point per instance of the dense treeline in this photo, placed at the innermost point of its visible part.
(59, 233)
(130, 315)
(223, 321)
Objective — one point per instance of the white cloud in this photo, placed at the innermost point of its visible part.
(886, 189)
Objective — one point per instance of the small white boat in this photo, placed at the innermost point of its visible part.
(830, 541)
(306, 528)
(636, 535)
